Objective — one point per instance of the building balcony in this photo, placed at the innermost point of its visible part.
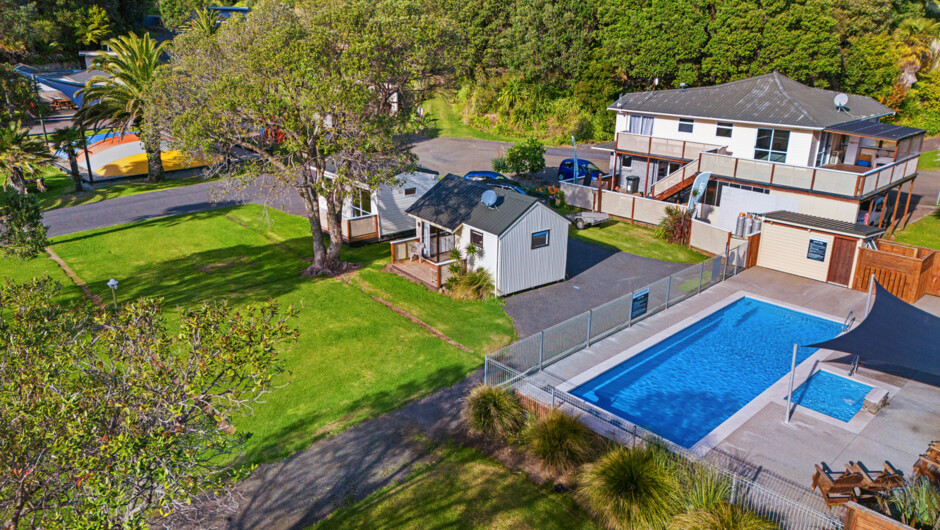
(663, 148)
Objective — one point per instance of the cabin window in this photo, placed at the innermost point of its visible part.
(361, 203)
(686, 124)
(540, 239)
(772, 145)
(476, 238)
(626, 161)
(411, 191)
(724, 129)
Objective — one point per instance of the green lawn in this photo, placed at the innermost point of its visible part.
(929, 160)
(925, 232)
(61, 192)
(355, 358)
(444, 121)
(462, 490)
(12, 269)
(635, 240)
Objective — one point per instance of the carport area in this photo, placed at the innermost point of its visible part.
(596, 275)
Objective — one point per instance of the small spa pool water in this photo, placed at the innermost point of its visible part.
(685, 386)
(832, 395)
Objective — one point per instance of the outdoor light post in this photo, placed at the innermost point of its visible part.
(113, 284)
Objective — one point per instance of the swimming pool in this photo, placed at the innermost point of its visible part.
(833, 395)
(685, 386)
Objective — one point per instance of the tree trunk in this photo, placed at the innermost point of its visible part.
(334, 211)
(312, 207)
(76, 176)
(155, 171)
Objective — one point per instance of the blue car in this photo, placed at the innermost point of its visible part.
(586, 170)
(482, 176)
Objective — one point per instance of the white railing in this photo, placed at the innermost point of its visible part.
(679, 149)
(824, 180)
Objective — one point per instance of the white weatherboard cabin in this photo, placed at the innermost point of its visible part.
(769, 143)
(371, 215)
(524, 243)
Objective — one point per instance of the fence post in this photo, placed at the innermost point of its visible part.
(734, 487)
(634, 436)
(590, 313)
(541, 343)
(553, 398)
(486, 363)
(724, 270)
(668, 289)
(701, 275)
(630, 311)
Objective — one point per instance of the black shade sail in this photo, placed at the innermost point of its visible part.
(894, 333)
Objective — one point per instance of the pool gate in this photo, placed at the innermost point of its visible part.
(520, 366)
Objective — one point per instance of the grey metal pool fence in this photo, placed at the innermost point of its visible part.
(537, 351)
(520, 366)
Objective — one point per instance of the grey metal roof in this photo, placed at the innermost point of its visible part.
(877, 130)
(606, 146)
(824, 225)
(771, 99)
(454, 201)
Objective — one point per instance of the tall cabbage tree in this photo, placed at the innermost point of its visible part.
(120, 96)
(205, 23)
(70, 140)
(20, 155)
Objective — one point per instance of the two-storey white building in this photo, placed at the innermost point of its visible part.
(769, 143)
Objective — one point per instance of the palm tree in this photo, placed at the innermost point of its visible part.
(120, 96)
(917, 37)
(69, 140)
(205, 23)
(20, 155)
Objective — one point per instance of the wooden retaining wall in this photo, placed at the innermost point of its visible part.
(906, 271)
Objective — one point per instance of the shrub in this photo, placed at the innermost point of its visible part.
(526, 157)
(466, 283)
(493, 412)
(916, 504)
(703, 488)
(676, 227)
(631, 488)
(560, 441)
(724, 516)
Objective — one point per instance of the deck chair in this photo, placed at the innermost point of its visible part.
(417, 248)
(933, 451)
(837, 488)
(876, 482)
(929, 468)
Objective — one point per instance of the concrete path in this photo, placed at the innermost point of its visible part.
(303, 489)
(596, 275)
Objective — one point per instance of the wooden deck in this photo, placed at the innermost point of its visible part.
(422, 272)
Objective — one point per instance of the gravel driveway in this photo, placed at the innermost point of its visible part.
(596, 275)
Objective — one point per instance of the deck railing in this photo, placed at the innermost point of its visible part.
(664, 147)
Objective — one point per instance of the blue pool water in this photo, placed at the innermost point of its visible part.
(839, 397)
(688, 384)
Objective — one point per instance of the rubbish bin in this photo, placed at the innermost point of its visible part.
(631, 184)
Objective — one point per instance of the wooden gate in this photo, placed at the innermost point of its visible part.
(840, 264)
(907, 272)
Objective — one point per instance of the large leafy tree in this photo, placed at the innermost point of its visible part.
(16, 96)
(298, 88)
(20, 155)
(22, 234)
(111, 418)
(69, 140)
(119, 97)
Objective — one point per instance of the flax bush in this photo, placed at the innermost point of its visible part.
(723, 516)
(493, 412)
(560, 441)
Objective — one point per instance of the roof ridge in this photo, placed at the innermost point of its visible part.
(776, 77)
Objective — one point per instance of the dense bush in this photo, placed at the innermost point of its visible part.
(676, 227)
(465, 282)
(525, 158)
(493, 412)
(560, 441)
(631, 488)
(916, 504)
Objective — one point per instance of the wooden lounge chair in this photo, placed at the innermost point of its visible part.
(929, 468)
(875, 482)
(933, 451)
(837, 488)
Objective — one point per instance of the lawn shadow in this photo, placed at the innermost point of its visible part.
(326, 472)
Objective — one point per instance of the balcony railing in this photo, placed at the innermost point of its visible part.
(818, 179)
(664, 147)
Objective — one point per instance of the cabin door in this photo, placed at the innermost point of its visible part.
(840, 264)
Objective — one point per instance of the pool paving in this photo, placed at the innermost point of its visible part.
(781, 454)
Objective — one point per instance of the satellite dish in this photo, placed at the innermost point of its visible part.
(489, 198)
(840, 100)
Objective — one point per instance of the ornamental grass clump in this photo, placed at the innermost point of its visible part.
(703, 487)
(560, 441)
(493, 412)
(631, 488)
(723, 516)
